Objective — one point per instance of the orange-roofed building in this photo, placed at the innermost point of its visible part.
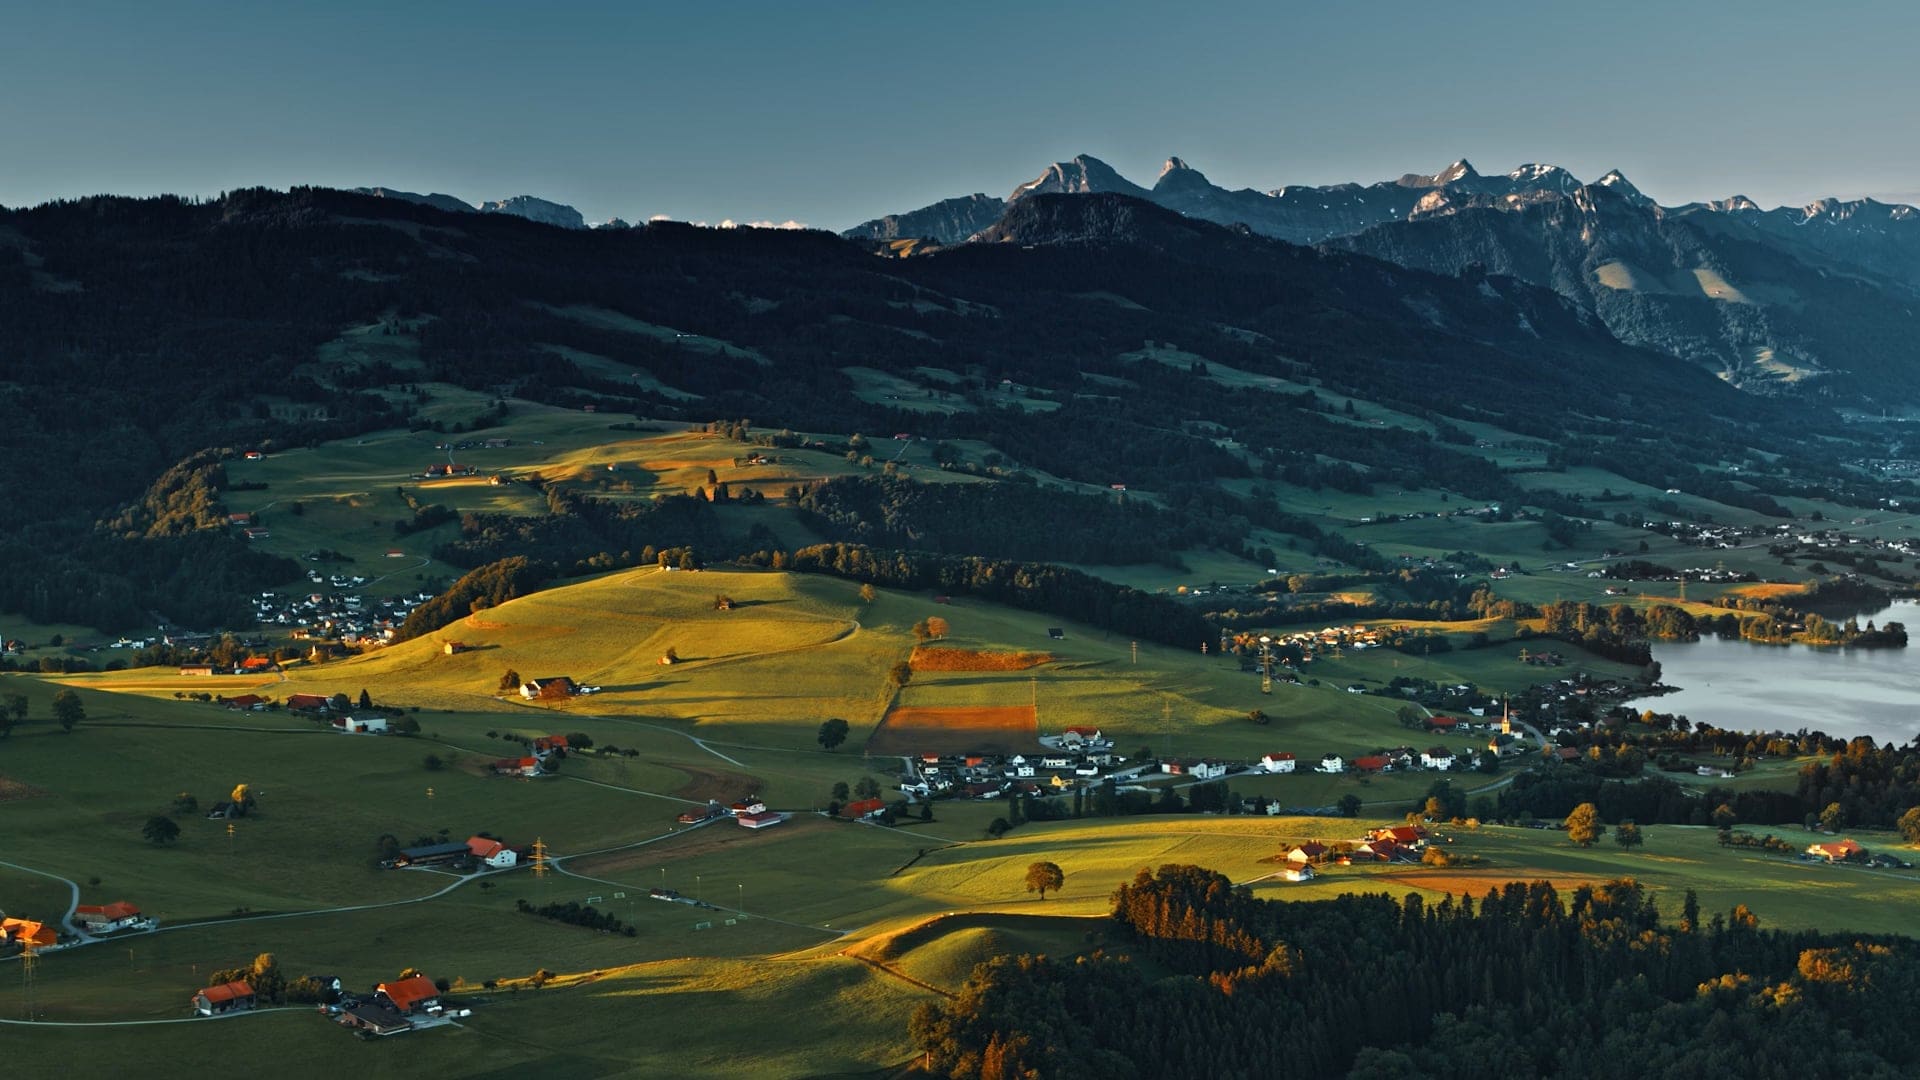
(410, 995)
(492, 852)
(106, 918)
(28, 932)
(227, 997)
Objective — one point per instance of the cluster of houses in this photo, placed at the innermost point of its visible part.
(488, 851)
(391, 1007)
(541, 751)
(1394, 844)
(346, 617)
(1078, 755)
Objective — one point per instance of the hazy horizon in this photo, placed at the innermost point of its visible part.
(829, 115)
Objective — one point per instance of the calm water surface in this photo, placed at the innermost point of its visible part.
(1743, 686)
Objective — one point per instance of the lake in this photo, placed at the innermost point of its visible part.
(1744, 686)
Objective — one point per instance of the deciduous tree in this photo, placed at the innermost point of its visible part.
(1583, 825)
(1627, 835)
(68, 710)
(1045, 876)
(160, 830)
(833, 732)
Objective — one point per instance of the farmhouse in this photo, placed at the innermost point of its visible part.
(1331, 764)
(375, 1017)
(1278, 763)
(27, 932)
(862, 808)
(557, 685)
(361, 725)
(1312, 851)
(246, 703)
(548, 745)
(1302, 872)
(235, 996)
(454, 648)
(1207, 770)
(307, 703)
(761, 820)
(524, 766)
(106, 918)
(1836, 850)
(1410, 835)
(1079, 735)
(748, 806)
(1372, 763)
(492, 852)
(1442, 724)
(410, 995)
(254, 665)
(1437, 758)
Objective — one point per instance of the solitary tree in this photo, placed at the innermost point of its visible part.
(1349, 805)
(1833, 818)
(937, 626)
(867, 788)
(160, 830)
(1909, 824)
(921, 631)
(833, 732)
(68, 710)
(185, 803)
(366, 700)
(900, 674)
(840, 792)
(1627, 835)
(1583, 825)
(510, 681)
(1042, 876)
(868, 593)
(15, 712)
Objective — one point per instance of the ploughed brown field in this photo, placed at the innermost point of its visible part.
(991, 729)
(938, 658)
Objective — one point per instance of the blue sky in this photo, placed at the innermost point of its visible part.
(830, 112)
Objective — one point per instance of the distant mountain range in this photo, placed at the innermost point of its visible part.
(556, 214)
(1820, 298)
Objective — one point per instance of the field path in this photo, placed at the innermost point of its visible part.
(142, 1023)
(66, 920)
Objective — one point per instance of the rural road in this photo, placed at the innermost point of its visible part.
(66, 921)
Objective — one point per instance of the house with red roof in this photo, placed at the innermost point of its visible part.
(236, 996)
(761, 820)
(410, 995)
(747, 806)
(246, 703)
(1400, 834)
(1372, 763)
(1278, 763)
(862, 808)
(308, 702)
(1312, 851)
(525, 766)
(494, 853)
(254, 665)
(27, 932)
(550, 744)
(1300, 872)
(106, 918)
(1836, 850)
(1442, 723)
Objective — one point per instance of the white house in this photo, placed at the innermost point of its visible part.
(1331, 764)
(106, 918)
(362, 725)
(1088, 769)
(493, 852)
(1056, 761)
(1437, 758)
(1207, 770)
(1301, 872)
(1023, 771)
(1278, 763)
